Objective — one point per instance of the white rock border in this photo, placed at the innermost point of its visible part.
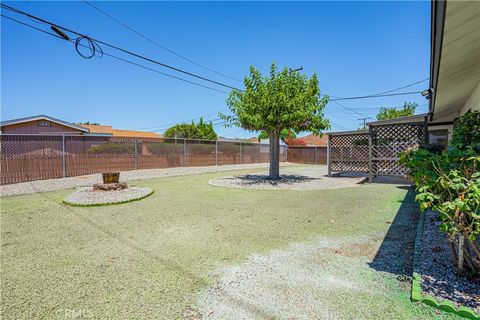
(86, 197)
(295, 184)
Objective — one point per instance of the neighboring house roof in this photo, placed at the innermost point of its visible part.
(253, 139)
(118, 132)
(312, 140)
(43, 117)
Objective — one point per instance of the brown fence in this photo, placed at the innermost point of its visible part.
(309, 155)
(37, 157)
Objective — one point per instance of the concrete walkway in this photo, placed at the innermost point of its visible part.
(88, 180)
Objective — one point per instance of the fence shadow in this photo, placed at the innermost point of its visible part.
(395, 254)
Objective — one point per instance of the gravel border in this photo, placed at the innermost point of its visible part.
(86, 197)
(435, 280)
(307, 178)
(88, 180)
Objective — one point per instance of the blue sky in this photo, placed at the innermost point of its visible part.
(356, 48)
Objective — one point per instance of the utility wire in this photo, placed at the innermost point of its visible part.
(347, 108)
(400, 88)
(117, 58)
(377, 96)
(4, 6)
(156, 43)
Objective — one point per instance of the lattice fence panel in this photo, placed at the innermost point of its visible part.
(349, 152)
(388, 141)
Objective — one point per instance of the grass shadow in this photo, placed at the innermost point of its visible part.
(395, 254)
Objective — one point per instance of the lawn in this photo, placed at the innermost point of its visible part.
(160, 256)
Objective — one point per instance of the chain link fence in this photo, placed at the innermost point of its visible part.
(37, 157)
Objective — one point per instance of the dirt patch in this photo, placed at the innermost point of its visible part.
(327, 279)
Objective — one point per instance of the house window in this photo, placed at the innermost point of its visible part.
(438, 136)
(44, 123)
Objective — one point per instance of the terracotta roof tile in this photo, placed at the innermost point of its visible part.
(120, 133)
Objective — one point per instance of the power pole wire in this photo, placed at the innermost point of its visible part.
(156, 43)
(120, 49)
(118, 58)
(377, 96)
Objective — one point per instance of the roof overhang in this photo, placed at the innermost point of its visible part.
(43, 117)
(455, 56)
(407, 119)
(341, 133)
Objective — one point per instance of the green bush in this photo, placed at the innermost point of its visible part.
(466, 133)
(448, 181)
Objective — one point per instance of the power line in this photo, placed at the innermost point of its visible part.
(406, 86)
(156, 43)
(377, 96)
(118, 58)
(347, 108)
(120, 49)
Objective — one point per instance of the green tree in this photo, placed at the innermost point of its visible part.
(201, 130)
(283, 100)
(389, 113)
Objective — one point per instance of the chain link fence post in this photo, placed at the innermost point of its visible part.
(216, 153)
(136, 153)
(64, 162)
(185, 152)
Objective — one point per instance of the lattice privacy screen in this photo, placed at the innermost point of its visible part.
(375, 152)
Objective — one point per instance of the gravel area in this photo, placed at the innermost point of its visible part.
(292, 178)
(438, 276)
(327, 279)
(88, 180)
(86, 196)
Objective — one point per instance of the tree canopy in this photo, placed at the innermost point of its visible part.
(389, 113)
(284, 99)
(200, 130)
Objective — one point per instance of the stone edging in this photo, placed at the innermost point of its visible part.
(72, 204)
(417, 296)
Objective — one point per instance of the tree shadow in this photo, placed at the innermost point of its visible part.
(395, 254)
(253, 179)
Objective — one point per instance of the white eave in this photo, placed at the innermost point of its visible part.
(455, 57)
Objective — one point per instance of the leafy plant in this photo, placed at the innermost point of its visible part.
(200, 130)
(448, 181)
(285, 99)
(466, 133)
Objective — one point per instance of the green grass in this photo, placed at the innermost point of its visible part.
(152, 258)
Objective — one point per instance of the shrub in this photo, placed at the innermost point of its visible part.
(448, 181)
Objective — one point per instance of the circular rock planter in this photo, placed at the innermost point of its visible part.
(86, 196)
(291, 179)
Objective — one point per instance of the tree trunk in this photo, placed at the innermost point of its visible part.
(274, 172)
